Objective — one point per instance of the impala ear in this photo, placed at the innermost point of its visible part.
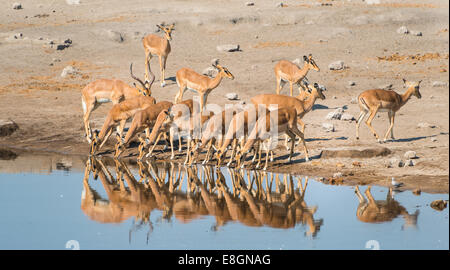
(419, 82)
(316, 85)
(310, 56)
(404, 81)
(305, 58)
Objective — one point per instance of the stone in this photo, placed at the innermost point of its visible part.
(347, 117)
(351, 83)
(425, 125)
(416, 33)
(249, 4)
(403, 30)
(17, 6)
(69, 70)
(387, 86)
(395, 162)
(281, 4)
(337, 65)
(417, 192)
(372, 2)
(210, 72)
(410, 155)
(232, 96)
(7, 127)
(439, 84)
(434, 139)
(354, 100)
(228, 48)
(336, 114)
(337, 175)
(328, 127)
(409, 163)
(438, 205)
(73, 2)
(115, 36)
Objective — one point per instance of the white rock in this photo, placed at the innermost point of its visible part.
(328, 127)
(232, 96)
(372, 2)
(228, 48)
(337, 175)
(73, 2)
(434, 139)
(439, 84)
(394, 162)
(337, 65)
(336, 114)
(351, 83)
(17, 6)
(410, 155)
(354, 100)
(115, 36)
(403, 30)
(209, 71)
(249, 4)
(69, 70)
(416, 33)
(409, 163)
(347, 117)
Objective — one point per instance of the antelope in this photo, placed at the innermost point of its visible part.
(118, 116)
(177, 114)
(203, 85)
(215, 131)
(160, 46)
(143, 119)
(285, 123)
(109, 90)
(288, 71)
(375, 100)
(240, 126)
(377, 211)
(301, 106)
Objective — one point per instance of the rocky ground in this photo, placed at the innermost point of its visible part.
(377, 44)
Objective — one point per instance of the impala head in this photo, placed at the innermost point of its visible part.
(310, 62)
(167, 30)
(222, 70)
(414, 86)
(145, 88)
(316, 90)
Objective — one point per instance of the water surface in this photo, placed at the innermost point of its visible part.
(113, 205)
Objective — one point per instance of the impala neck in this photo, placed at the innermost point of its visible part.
(213, 83)
(301, 73)
(407, 95)
(309, 103)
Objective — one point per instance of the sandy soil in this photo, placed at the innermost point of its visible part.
(48, 110)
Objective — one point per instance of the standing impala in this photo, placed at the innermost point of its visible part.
(372, 101)
(203, 85)
(109, 90)
(160, 46)
(288, 71)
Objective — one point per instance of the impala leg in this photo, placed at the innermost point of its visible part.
(373, 112)
(361, 116)
(154, 145)
(233, 151)
(300, 134)
(148, 57)
(163, 83)
(278, 84)
(172, 153)
(89, 108)
(120, 128)
(391, 116)
(110, 130)
(359, 195)
(187, 151)
(291, 88)
(292, 136)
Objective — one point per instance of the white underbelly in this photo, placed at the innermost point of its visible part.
(384, 110)
(103, 100)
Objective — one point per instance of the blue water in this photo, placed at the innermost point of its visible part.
(44, 212)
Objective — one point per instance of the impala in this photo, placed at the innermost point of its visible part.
(143, 119)
(375, 100)
(109, 90)
(160, 46)
(288, 71)
(118, 116)
(302, 107)
(203, 85)
(285, 121)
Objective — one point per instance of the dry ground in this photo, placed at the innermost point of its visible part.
(48, 110)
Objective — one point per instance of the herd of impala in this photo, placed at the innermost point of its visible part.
(241, 128)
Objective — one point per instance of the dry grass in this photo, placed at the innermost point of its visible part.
(271, 44)
(396, 57)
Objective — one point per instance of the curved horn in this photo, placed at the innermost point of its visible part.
(134, 77)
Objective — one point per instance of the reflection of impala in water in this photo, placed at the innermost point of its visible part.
(377, 211)
(206, 193)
